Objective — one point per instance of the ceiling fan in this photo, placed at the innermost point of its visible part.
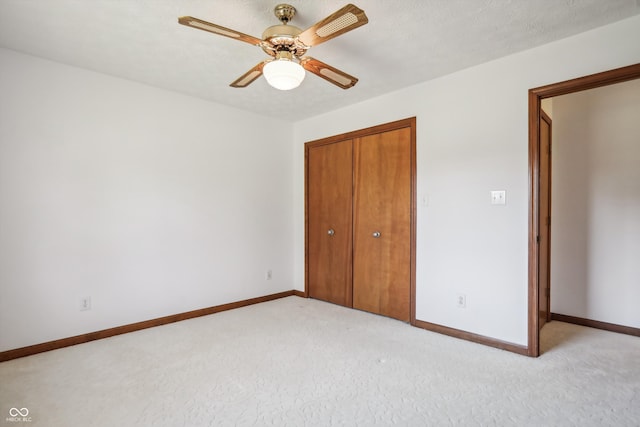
(287, 44)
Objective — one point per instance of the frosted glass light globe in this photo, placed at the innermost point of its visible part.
(283, 74)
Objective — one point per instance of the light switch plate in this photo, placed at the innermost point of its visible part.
(498, 197)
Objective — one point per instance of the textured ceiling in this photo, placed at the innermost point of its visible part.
(405, 42)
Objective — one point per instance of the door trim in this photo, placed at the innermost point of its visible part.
(399, 124)
(592, 81)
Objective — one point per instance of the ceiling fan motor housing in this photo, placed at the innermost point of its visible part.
(283, 37)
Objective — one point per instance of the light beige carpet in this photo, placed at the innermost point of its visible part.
(303, 362)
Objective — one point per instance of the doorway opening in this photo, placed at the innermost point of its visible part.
(537, 252)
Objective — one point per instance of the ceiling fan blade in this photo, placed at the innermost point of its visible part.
(190, 21)
(346, 19)
(247, 78)
(329, 73)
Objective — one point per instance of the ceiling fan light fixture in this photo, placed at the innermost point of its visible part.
(288, 45)
(283, 73)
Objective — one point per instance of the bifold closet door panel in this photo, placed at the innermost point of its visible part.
(330, 218)
(382, 224)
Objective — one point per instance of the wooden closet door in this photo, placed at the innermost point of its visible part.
(382, 203)
(329, 216)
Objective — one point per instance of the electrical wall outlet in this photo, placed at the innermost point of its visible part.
(269, 275)
(85, 303)
(498, 197)
(461, 301)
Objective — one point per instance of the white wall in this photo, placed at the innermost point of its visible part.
(472, 137)
(150, 202)
(595, 243)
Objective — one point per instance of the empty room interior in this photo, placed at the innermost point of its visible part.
(431, 216)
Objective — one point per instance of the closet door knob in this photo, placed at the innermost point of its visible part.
(331, 232)
(376, 234)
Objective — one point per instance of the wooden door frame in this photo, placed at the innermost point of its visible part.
(387, 127)
(536, 95)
